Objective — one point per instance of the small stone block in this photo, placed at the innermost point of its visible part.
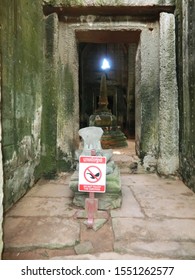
(98, 223)
(84, 248)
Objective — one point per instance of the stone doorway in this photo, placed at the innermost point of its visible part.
(155, 86)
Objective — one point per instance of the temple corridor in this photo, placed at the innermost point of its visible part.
(156, 220)
(125, 69)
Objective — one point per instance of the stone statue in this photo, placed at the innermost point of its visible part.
(91, 137)
(91, 141)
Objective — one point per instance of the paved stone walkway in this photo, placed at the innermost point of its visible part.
(156, 221)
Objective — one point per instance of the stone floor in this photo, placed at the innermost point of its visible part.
(156, 220)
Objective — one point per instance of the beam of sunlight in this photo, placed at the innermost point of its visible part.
(105, 64)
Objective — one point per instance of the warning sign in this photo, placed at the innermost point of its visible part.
(92, 174)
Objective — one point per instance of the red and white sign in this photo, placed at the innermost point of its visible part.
(92, 174)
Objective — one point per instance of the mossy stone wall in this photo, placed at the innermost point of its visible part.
(48, 164)
(185, 18)
(37, 98)
(22, 86)
(1, 183)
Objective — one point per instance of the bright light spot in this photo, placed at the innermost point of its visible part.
(105, 64)
(116, 152)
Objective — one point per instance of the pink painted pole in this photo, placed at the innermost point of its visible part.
(91, 203)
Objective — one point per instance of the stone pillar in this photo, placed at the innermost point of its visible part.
(131, 88)
(1, 183)
(168, 162)
(68, 96)
(1, 200)
(138, 100)
(147, 95)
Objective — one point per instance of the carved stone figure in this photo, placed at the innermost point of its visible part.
(112, 198)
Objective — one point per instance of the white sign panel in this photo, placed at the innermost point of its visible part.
(92, 174)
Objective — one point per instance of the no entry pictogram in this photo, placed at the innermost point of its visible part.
(92, 174)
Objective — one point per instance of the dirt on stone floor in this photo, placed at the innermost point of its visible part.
(102, 241)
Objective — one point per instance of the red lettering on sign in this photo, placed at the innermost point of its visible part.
(94, 188)
(94, 159)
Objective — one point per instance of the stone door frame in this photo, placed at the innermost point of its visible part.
(157, 118)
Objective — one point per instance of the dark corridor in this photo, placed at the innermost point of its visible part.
(120, 79)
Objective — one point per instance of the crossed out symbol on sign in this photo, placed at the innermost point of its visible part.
(92, 174)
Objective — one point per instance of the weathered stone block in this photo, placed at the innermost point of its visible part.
(105, 201)
(168, 161)
(84, 248)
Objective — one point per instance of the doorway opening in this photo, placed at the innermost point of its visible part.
(119, 47)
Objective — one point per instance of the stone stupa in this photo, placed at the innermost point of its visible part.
(112, 136)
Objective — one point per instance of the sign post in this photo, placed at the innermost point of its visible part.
(92, 178)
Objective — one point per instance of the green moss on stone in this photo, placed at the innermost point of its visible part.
(64, 162)
(69, 92)
(22, 81)
(47, 168)
(73, 3)
(67, 3)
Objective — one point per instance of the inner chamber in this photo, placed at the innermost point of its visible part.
(120, 77)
